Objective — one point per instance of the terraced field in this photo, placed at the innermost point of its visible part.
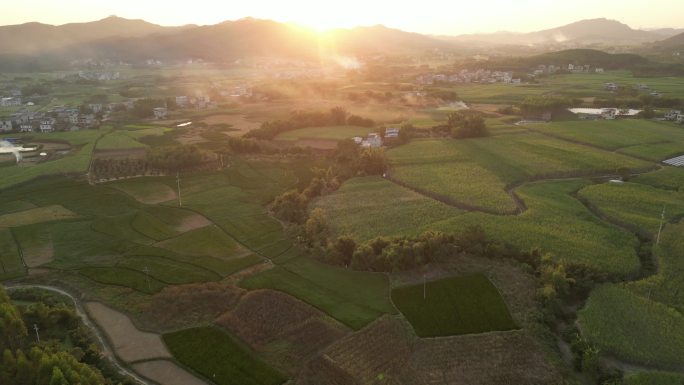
(669, 178)
(370, 206)
(635, 204)
(559, 224)
(475, 172)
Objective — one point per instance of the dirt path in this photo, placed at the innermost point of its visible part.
(129, 343)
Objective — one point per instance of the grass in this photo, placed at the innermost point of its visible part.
(654, 378)
(9, 207)
(475, 172)
(146, 190)
(37, 215)
(454, 306)
(670, 178)
(635, 204)
(205, 241)
(118, 140)
(655, 152)
(331, 133)
(615, 134)
(370, 206)
(558, 224)
(10, 261)
(353, 298)
(133, 279)
(217, 356)
(634, 328)
(150, 226)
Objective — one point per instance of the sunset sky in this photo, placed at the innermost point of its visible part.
(425, 16)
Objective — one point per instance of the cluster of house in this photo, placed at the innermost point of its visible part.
(544, 69)
(100, 76)
(374, 140)
(675, 116)
(613, 87)
(236, 92)
(468, 76)
(58, 118)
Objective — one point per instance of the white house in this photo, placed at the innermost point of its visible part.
(182, 101)
(611, 86)
(10, 102)
(599, 70)
(26, 127)
(391, 132)
(6, 125)
(160, 112)
(373, 141)
(673, 115)
(86, 120)
(47, 125)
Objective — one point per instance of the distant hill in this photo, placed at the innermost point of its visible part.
(38, 38)
(674, 42)
(585, 32)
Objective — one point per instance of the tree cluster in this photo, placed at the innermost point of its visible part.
(466, 124)
(535, 106)
(337, 116)
(177, 158)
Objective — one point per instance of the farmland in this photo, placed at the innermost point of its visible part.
(634, 328)
(448, 168)
(670, 178)
(635, 204)
(559, 224)
(619, 134)
(215, 355)
(353, 298)
(655, 378)
(365, 208)
(332, 133)
(453, 306)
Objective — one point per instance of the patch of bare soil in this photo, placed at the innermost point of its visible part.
(286, 331)
(38, 254)
(239, 123)
(166, 372)
(192, 222)
(484, 359)
(188, 305)
(129, 343)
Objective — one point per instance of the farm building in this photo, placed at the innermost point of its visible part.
(391, 132)
(160, 112)
(372, 141)
(5, 125)
(673, 115)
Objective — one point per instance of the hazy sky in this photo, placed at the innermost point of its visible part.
(426, 16)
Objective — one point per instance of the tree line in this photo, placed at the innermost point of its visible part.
(336, 116)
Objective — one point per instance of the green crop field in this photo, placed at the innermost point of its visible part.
(635, 204)
(654, 378)
(615, 134)
(634, 328)
(37, 215)
(670, 178)
(353, 298)
(206, 241)
(453, 306)
(118, 140)
(559, 224)
(218, 357)
(145, 190)
(332, 133)
(475, 172)
(370, 206)
(655, 152)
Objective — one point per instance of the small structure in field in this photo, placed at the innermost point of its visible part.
(160, 112)
(372, 141)
(604, 113)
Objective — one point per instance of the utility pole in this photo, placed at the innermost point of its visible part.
(35, 327)
(424, 287)
(147, 277)
(662, 220)
(180, 201)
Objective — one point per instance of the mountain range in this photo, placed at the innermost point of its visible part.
(117, 38)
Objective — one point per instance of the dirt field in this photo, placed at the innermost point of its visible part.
(192, 222)
(182, 306)
(129, 343)
(166, 373)
(238, 122)
(286, 331)
(387, 352)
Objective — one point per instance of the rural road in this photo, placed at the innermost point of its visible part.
(108, 352)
